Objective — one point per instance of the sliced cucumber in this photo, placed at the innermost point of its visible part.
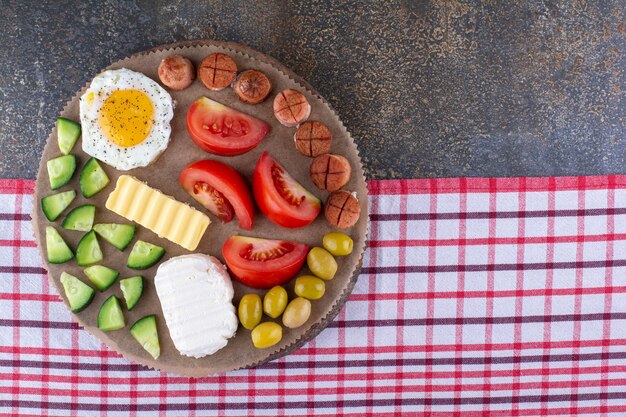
(68, 132)
(53, 205)
(144, 255)
(92, 178)
(58, 251)
(118, 235)
(101, 276)
(60, 170)
(80, 218)
(88, 251)
(145, 332)
(78, 294)
(132, 288)
(110, 316)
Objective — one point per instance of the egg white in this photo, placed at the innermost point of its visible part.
(96, 144)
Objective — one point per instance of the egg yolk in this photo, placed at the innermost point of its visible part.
(126, 117)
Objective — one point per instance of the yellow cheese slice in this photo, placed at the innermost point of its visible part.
(158, 212)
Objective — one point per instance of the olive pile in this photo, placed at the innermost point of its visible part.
(296, 312)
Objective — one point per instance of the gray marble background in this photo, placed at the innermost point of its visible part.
(428, 89)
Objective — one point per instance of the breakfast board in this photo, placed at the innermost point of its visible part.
(163, 175)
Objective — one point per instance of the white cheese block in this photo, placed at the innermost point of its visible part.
(196, 296)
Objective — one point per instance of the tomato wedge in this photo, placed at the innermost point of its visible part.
(220, 189)
(221, 130)
(281, 198)
(263, 263)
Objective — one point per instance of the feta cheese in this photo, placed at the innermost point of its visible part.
(196, 296)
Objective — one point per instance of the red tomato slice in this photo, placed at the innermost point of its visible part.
(221, 130)
(281, 198)
(220, 189)
(263, 263)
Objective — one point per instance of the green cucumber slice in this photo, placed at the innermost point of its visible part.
(80, 218)
(110, 316)
(53, 205)
(92, 178)
(88, 251)
(78, 294)
(132, 288)
(118, 235)
(145, 332)
(57, 249)
(68, 132)
(101, 276)
(60, 170)
(144, 255)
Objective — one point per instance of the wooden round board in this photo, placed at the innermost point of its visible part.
(163, 175)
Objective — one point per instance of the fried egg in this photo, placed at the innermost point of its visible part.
(125, 118)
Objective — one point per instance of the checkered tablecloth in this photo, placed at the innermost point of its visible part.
(500, 297)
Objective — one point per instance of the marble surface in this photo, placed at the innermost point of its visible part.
(428, 89)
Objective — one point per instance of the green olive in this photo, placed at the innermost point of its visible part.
(297, 313)
(339, 244)
(266, 334)
(275, 301)
(321, 263)
(310, 287)
(250, 310)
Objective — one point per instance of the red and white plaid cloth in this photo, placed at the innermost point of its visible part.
(503, 297)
